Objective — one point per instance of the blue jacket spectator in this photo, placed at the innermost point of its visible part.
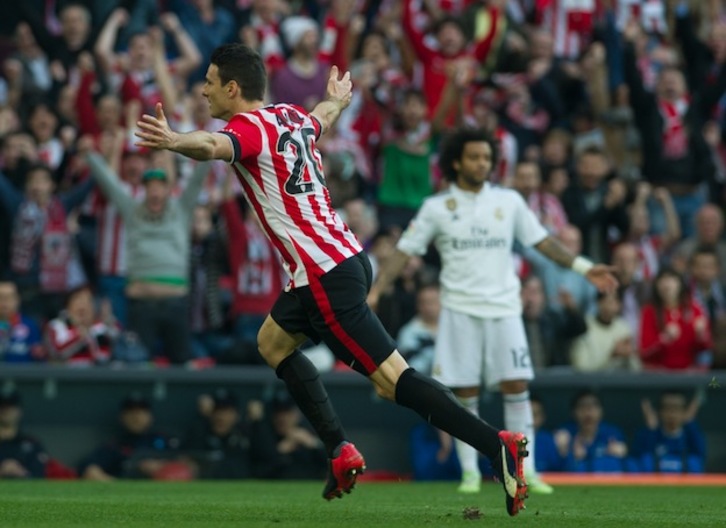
(546, 457)
(20, 339)
(589, 445)
(671, 442)
(432, 456)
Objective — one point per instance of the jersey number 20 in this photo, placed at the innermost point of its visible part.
(300, 181)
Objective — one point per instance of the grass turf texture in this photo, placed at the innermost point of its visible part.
(299, 505)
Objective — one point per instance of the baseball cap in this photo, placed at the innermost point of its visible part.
(224, 399)
(9, 398)
(135, 400)
(154, 174)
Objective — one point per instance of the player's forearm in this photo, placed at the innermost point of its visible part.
(390, 271)
(328, 112)
(199, 145)
(556, 252)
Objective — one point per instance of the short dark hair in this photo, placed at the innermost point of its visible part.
(452, 148)
(583, 394)
(672, 393)
(243, 65)
(705, 250)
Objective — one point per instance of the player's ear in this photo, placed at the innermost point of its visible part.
(456, 164)
(233, 89)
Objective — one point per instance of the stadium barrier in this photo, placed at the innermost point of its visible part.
(71, 409)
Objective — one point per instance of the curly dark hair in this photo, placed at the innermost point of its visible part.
(452, 148)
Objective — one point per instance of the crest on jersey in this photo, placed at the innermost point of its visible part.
(498, 214)
(451, 204)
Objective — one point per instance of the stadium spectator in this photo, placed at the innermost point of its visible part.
(110, 232)
(679, 158)
(219, 444)
(80, 335)
(652, 247)
(549, 332)
(282, 447)
(671, 441)
(674, 330)
(74, 36)
(416, 338)
(547, 457)
(595, 204)
(588, 444)
(483, 114)
(303, 77)
(208, 26)
(158, 248)
(433, 456)
(20, 339)
(21, 456)
(608, 343)
(705, 287)
(547, 208)
(709, 232)
(257, 275)
(205, 297)
(27, 70)
(406, 178)
(136, 73)
(136, 450)
(633, 291)
(44, 259)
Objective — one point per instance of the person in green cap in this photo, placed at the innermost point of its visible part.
(157, 247)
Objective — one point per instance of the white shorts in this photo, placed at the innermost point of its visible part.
(468, 348)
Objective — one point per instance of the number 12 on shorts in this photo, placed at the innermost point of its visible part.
(520, 357)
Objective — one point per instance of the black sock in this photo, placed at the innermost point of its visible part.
(438, 406)
(303, 383)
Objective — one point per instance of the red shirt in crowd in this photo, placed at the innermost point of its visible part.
(677, 353)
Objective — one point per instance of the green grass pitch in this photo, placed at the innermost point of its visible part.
(299, 505)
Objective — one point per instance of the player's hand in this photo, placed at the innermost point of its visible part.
(603, 277)
(339, 90)
(155, 132)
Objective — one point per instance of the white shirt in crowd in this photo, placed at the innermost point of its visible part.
(474, 234)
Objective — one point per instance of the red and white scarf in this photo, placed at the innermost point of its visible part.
(42, 230)
(675, 137)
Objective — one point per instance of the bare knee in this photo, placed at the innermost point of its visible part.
(273, 343)
(513, 386)
(386, 377)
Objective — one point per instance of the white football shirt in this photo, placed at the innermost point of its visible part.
(474, 234)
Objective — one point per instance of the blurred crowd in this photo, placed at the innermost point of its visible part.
(226, 439)
(269, 439)
(609, 115)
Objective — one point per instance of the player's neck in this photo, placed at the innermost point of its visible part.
(241, 107)
(470, 187)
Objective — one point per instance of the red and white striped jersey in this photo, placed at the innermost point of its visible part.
(281, 171)
(110, 231)
(650, 13)
(571, 23)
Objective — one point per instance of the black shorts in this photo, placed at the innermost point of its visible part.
(333, 309)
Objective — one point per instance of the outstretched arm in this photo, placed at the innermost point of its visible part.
(338, 98)
(598, 274)
(155, 133)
